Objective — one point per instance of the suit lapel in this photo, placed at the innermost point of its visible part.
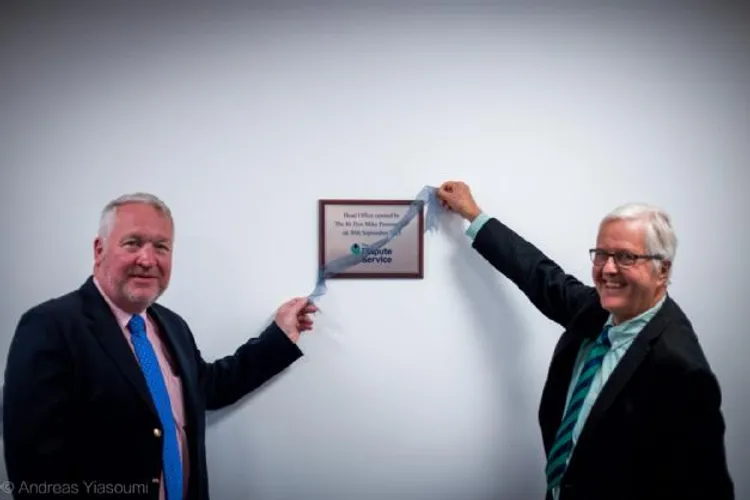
(103, 325)
(624, 371)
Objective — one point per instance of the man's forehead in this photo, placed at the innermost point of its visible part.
(622, 232)
(141, 219)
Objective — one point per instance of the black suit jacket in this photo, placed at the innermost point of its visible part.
(77, 413)
(656, 430)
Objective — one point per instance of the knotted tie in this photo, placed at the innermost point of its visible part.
(563, 445)
(150, 367)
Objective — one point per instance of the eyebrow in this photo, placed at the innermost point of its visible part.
(136, 236)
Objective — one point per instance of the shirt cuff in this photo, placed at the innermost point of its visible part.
(476, 225)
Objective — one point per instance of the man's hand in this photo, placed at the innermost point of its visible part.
(457, 196)
(293, 317)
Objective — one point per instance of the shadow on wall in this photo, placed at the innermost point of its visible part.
(215, 417)
(519, 472)
(518, 466)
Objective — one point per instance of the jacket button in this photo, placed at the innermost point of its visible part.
(157, 432)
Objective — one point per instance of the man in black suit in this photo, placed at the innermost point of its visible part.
(106, 391)
(631, 407)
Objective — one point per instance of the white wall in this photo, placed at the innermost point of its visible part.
(242, 119)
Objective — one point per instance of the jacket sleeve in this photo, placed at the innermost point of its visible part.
(695, 463)
(226, 380)
(557, 295)
(38, 409)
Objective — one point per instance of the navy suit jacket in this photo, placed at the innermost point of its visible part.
(77, 414)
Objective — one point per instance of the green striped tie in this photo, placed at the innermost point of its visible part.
(558, 455)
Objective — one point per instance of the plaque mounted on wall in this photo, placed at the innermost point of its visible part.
(353, 229)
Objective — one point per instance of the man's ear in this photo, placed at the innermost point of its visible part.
(98, 249)
(664, 270)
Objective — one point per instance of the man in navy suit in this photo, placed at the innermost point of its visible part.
(631, 408)
(106, 390)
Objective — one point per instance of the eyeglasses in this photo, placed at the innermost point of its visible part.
(622, 258)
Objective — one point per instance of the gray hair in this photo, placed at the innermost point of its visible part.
(661, 239)
(107, 218)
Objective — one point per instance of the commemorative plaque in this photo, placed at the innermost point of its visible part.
(360, 239)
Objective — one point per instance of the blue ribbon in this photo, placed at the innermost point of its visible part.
(427, 198)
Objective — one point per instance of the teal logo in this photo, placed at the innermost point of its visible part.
(356, 249)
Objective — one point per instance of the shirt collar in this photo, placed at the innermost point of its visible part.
(122, 317)
(625, 331)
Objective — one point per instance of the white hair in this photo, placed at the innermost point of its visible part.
(661, 239)
(107, 218)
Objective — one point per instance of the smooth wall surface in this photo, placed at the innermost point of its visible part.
(242, 118)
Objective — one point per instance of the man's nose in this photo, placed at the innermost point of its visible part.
(146, 256)
(609, 265)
